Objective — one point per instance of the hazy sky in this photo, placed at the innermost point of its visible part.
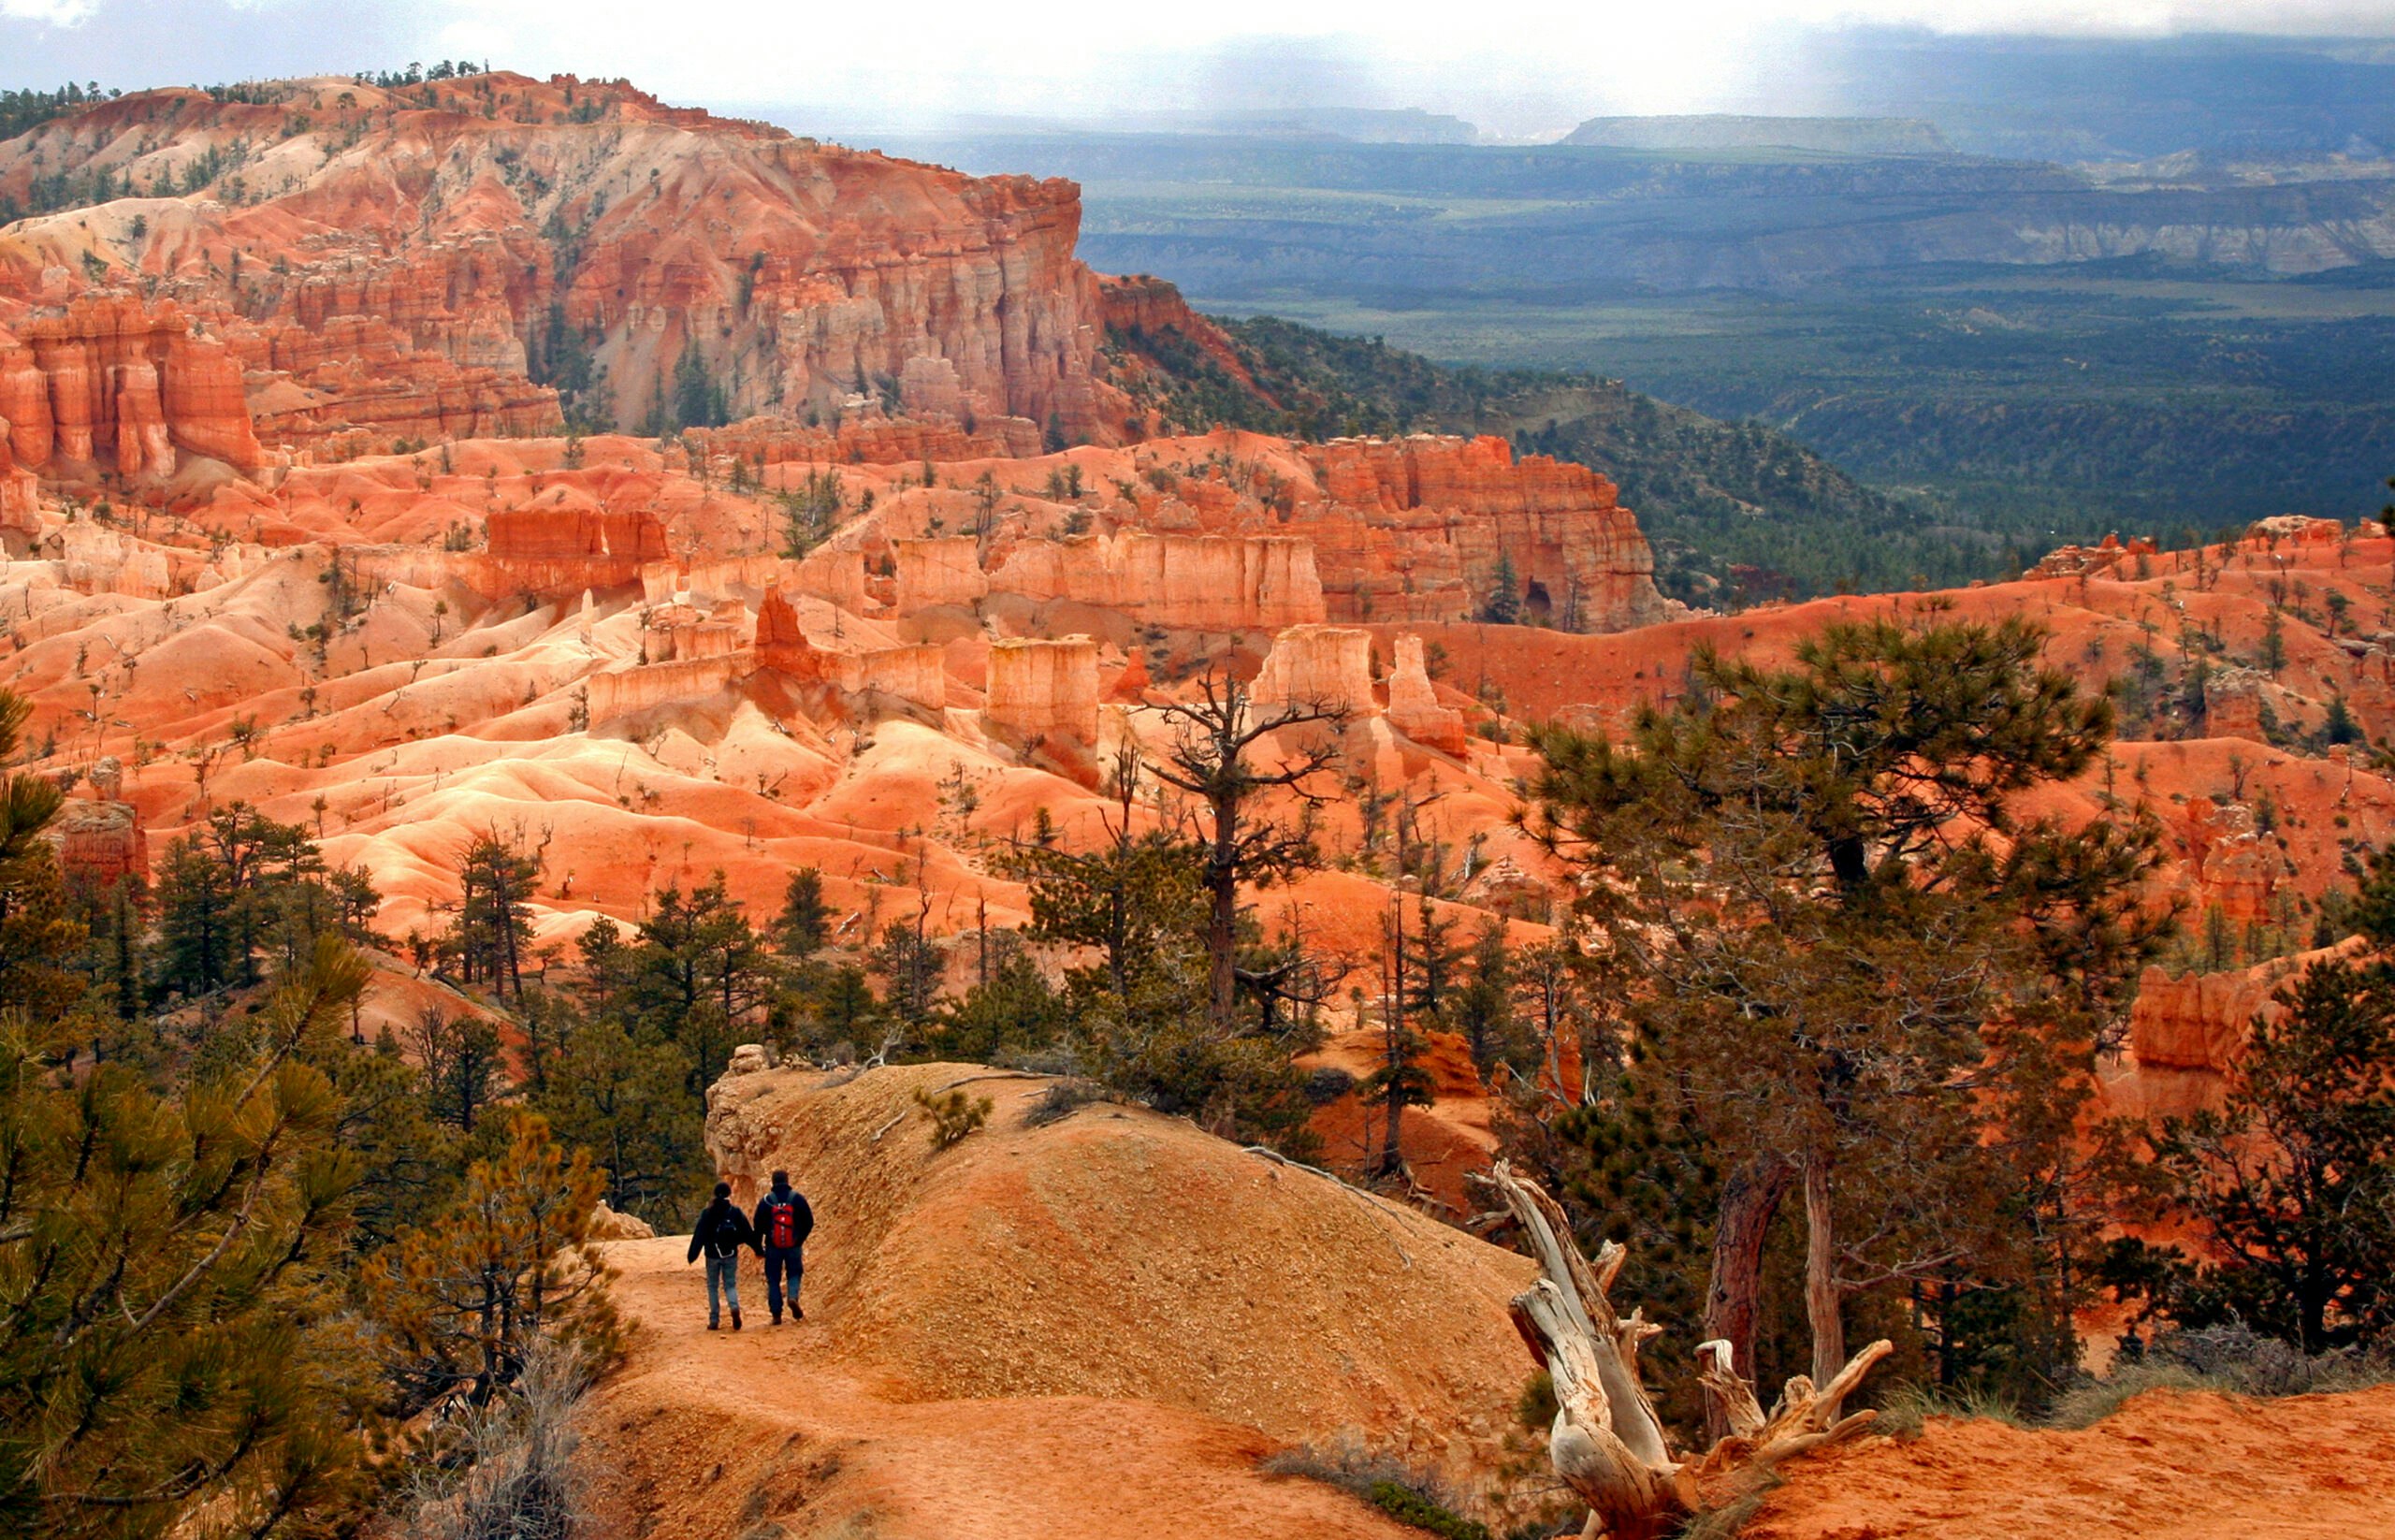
(1516, 67)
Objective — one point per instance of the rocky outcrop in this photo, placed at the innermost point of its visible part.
(2233, 703)
(1429, 528)
(1185, 582)
(100, 843)
(1318, 667)
(568, 542)
(1042, 688)
(115, 386)
(1413, 707)
(2202, 1019)
(607, 1225)
(931, 574)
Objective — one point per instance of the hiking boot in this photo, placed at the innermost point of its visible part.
(713, 1327)
(735, 1320)
(777, 1317)
(796, 1313)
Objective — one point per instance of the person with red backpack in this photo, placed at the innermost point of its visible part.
(783, 1223)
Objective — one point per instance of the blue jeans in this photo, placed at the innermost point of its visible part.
(777, 1262)
(722, 1273)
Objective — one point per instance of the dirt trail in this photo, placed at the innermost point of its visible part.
(1090, 1328)
(2167, 1466)
(718, 1433)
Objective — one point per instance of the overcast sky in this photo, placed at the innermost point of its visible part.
(1518, 68)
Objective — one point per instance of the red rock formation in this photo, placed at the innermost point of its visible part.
(567, 543)
(938, 572)
(100, 843)
(1130, 687)
(1042, 688)
(2233, 704)
(1196, 582)
(781, 645)
(401, 275)
(1416, 528)
(114, 384)
(2202, 1021)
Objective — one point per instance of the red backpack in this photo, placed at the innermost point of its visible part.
(782, 1225)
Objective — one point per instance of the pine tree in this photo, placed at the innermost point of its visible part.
(1503, 605)
(172, 1346)
(1857, 965)
(462, 1301)
(803, 925)
(2293, 1177)
(493, 931)
(624, 1100)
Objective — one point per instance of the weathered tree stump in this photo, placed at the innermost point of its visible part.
(1606, 1443)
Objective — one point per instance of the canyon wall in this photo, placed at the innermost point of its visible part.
(1185, 582)
(433, 261)
(1413, 707)
(1326, 667)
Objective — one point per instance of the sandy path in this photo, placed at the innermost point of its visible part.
(751, 1434)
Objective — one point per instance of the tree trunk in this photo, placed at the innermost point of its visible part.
(1222, 920)
(1734, 1297)
(1606, 1443)
(1820, 1276)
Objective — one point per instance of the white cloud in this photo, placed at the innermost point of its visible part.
(55, 13)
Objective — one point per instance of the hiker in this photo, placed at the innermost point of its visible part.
(722, 1229)
(783, 1222)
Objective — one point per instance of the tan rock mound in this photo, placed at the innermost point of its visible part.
(1094, 1329)
(1122, 1254)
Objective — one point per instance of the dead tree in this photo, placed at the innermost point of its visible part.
(1209, 760)
(1606, 1443)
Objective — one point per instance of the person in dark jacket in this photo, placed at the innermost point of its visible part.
(722, 1229)
(783, 1222)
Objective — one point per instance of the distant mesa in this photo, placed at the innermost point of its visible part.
(1730, 131)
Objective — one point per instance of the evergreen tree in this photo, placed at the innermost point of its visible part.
(805, 924)
(1843, 994)
(462, 1301)
(700, 975)
(493, 931)
(625, 1099)
(698, 399)
(2293, 1177)
(1503, 605)
(171, 1348)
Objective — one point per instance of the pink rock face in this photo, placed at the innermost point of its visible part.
(117, 384)
(1194, 581)
(1413, 707)
(1424, 528)
(1329, 667)
(938, 573)
(1042, 688)
(2202, 1020)
(141, 442)
(24, 405)
(561, 548)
